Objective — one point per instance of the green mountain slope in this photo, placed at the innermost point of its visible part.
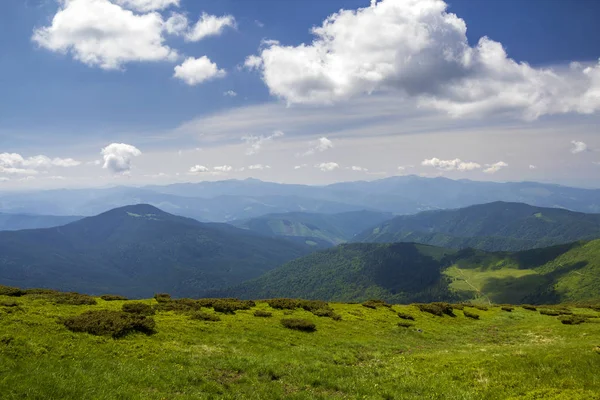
(497, 226)
(14, 222)
(332, 228)
(408, 272)
(138, 251)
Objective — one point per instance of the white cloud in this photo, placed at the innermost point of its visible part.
(198, 169)
(101, 33)
(256, 142)
(493, 168)
(4, 179)
(357, 168)
(531, 166)
(401, 168)
(230, 93)
(578, 147)
(223, 168)
(118, 156)
(259, 24)
(147, 5)
(259, 166)
(450, 165)
(327, 166)
(176, 24)
(16, 164)
(320, 145)
(209, 25)
(57, 178)
(418, 50)
(194, 71)
(95, 162)
(27, 179)
(300, 166)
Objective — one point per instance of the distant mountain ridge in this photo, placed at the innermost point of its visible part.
(138, 251)
(497, 226)
(14, 222)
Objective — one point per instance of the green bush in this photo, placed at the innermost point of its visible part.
(529, 307)
(406, 316)
(72, 298)
(373, 304)
(507, 309)
(438, 309)
(573, 320)
(299, 325)
(404, 324)
(459, 306)
(312, 305)
(162, 297)
(109, 323)
(470, 314)
(9, 303)
(283, 304)
(179, 305)
(479, 307)
(231, 306)
(11, 291)
(204, 316)
(336, 317)
(113, 297)
(138, 308)
(40, 291)
(551, 313)
(263, 314)
(208, 302)
(327, 312)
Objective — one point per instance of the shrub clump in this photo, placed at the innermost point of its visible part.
(573, 320)
(138, 308)
(479, 307)
(9, 303)
(507, 309)
(283, 304)
(458, 306)
(179, 305)
(313, 305)
(529, 307)
(470, 314)
(162, 297)
(406, 316)
(327, 312)
(204, 316)
(404, 324)
(231, 306)
(438, 309)
(113, 297)
(110, 323)
(11, 291)
(373, 304)
(299, 325)
(75, 299)
(263, 314)
(551, 313)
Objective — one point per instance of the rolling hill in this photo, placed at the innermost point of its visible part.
(332, 228)
(138, 251)
(497, 226)
(409, 272)
(14, 222)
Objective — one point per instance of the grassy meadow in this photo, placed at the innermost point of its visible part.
(518, 354)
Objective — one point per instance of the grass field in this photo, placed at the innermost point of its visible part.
(520, 354)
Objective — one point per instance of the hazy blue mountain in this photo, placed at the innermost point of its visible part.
(138, 251)
(14, 222)
(331, 228)
(492, 226)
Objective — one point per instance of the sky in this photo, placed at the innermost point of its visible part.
(134, 92)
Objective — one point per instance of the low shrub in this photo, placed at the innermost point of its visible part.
(404, 324)
(9, 303)
(336, 317)
(263, 314)
(312, 305)
(74, 299)
(573, 320)
(438, 309)
(458, 306)
(470, 314)
(299, 325)
(138, 308)
(529, 307)
(406, 316)
(283, 304)
(376, 303)
(109, 323)
(327, 312)
(479, 307)
(179, 305)
(551, 313)
(231, 306)
(507, 309)
(11, 291)
(113, 297)
(208, 302)
(204, 316)
(162, 297)
(40, 291)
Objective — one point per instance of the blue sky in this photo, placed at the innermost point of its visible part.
(332, 126)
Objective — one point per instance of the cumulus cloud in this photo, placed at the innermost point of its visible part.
(209, 25)
(418, 50)
(357, 168)
(176, 24)
(532, 166)
(300, 166)
(320, 145)
(230, 93)
(103, 34)
(327, 166)
(147, 5)
(578, 147)
(259, 166)
(256, 142)
(14, 163)
(493, 168)
(118, 156)
(450, 165)
(194, 71)
(196, 169)
(223, 168)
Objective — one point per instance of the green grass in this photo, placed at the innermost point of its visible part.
(365, 355)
